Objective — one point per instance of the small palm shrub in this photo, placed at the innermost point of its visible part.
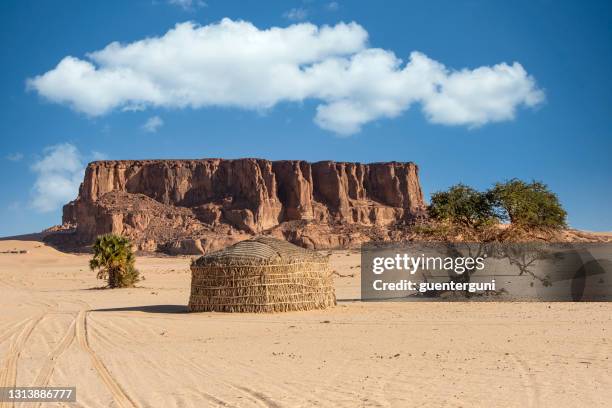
(114, 260)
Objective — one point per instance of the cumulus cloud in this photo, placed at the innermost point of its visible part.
(296, 14)
(332, 6)
(188, 4)
(58, 175)
(152, 124)
(95, 155)
(235, 64)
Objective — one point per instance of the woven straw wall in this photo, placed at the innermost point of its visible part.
(261, 275)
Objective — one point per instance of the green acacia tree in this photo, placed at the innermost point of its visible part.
(462, 205)
(114, 260)
(527, 204)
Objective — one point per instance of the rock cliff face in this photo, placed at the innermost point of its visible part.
(190, 206)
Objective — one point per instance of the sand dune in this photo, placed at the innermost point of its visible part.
(138, 348)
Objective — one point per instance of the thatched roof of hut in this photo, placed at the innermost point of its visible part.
(260, 250)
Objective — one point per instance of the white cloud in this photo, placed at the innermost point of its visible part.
(152, 124)
(95, 156)
(14, 157)
(58, 176)
(188, 4)
(296, 14)
(332, 6)
(235, 64)
(486, 94)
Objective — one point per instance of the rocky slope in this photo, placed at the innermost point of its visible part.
(190, 206)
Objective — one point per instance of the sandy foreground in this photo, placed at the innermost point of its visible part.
(138, 348)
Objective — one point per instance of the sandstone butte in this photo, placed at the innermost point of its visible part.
(193, 206)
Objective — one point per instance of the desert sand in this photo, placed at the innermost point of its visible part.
(139, 348)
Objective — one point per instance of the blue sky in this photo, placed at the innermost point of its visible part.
(553, 123)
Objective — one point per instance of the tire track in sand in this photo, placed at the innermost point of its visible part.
(100, 332)
(256, 397)
(44, 375)
(529, 382)
(260, 396)
(8, 373)
(119, 395)
(11, 329)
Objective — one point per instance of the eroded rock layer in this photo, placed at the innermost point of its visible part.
(191, 206)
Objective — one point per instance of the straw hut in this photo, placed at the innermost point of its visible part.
(261, 275)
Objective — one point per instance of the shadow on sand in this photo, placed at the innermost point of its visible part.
(171, 309)
(59, 240)
(38, 236)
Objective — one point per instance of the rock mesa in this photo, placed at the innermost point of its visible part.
(191, 206)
